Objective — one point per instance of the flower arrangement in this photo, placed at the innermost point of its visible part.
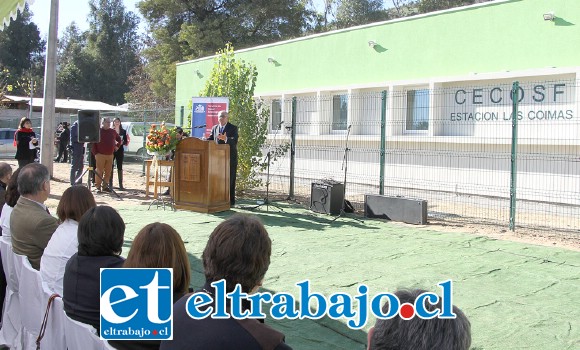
(161, 140)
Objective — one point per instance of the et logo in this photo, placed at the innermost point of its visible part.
(136, 304)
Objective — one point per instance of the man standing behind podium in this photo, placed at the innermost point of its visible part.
(227, 133)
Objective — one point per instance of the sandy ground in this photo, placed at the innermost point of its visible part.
(134, 194)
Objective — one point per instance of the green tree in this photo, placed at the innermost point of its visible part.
(357, 12)
(74, 64)
(95, 64)
(112, 42)
(237, 79)
(21, 51)
(189, 29)
(426, 6)
(4, 87)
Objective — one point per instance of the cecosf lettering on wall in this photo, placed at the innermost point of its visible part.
(539, 93)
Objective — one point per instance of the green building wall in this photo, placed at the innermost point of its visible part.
(491, 37)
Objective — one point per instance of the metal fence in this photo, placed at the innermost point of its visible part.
(455, 146)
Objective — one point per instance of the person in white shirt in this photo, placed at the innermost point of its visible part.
(12, 196)
(63, 244)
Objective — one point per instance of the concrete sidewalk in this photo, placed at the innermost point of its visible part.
(517, 296)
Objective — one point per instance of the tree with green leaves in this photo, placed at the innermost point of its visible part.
(237, 80)
(426, 6)
(22, 52)
(4, 87)
(189, 29)
(95, 65)
(351, 13)
(74, 64)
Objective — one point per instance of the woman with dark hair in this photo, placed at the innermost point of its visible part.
(25, 141)
(119, 154)
(158, 245)
(63, 244)
(100, 234)
(237, 251)
(11, 197)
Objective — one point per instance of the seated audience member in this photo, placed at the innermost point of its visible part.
(5, 174)
(238, 250)
(100, 234)
(63, 244)
(31, 223)
(420, 334)
(11, 197)
(158, 245)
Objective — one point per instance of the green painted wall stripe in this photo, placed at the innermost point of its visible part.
(490, 37)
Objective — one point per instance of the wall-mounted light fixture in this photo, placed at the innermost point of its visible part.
(271, 60)
(550, 16)
(372, 44)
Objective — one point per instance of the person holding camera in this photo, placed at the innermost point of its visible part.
(25, 141)
(63, 141)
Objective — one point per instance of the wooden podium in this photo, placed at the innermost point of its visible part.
(202, 176)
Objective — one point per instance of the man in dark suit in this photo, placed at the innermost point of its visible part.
(225, 132)
(31, 223)
(77, 154)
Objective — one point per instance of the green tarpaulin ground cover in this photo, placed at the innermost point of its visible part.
(516, 295)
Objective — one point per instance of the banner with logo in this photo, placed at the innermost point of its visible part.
(204, 114)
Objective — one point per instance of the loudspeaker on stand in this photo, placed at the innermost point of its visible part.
(89, 126)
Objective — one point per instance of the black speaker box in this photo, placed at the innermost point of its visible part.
(89, 126)
(327, 198)
(411, 211)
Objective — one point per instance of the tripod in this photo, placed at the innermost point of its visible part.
(266, 200)
(91, 170)
(345, 168)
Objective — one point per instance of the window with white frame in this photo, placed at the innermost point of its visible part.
(417, 110)
(339, 112)
(276, 115)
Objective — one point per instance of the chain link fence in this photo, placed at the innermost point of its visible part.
(453, 146)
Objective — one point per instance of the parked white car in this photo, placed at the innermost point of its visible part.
(7, 148)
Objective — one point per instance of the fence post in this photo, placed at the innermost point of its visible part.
(514, 153)
(144, 140)
(383, 139)
(292, 149)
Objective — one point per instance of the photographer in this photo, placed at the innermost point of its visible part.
(63, 141)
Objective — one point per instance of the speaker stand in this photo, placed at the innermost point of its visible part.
(267, 202)
(345, 168)
(91, 170)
